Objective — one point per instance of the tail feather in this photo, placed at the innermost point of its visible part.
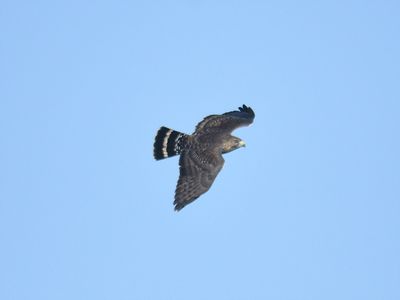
(168, 142)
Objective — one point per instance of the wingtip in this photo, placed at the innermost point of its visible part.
(247, 109)
(178, 207)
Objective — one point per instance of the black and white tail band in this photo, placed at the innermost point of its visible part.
(168, 142)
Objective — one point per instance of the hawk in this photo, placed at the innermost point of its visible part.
(201, 152)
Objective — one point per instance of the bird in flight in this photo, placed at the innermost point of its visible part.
(201, 152)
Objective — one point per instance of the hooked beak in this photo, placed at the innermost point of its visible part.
(242, 144)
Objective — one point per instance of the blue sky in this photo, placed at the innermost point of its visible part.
(308, 210)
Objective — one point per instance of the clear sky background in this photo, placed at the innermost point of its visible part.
(310, 209)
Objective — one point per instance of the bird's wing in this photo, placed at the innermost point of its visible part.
(226, 122)
(197, 173)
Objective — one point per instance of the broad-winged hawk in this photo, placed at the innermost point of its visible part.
(201, 153)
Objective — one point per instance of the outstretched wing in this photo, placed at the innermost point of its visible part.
(226, 122)
(198, 171)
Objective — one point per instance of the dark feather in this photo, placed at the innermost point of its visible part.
(196, 177)
(227, 122)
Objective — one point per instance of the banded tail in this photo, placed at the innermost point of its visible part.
(168, 142)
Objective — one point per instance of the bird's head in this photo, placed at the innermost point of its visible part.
(232, 143)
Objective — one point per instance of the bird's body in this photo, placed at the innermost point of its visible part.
(201, 153)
